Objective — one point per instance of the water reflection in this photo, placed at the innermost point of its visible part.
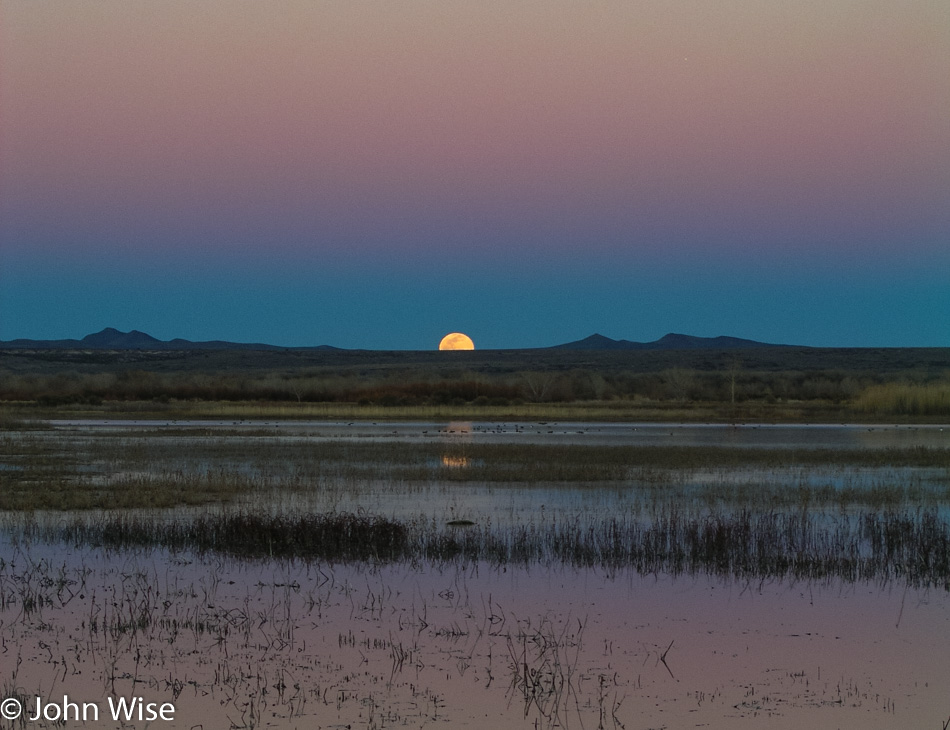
(780, 436)
(305, 643)
(456, 433)
(292, 644)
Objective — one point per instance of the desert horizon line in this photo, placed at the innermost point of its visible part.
(111, 338)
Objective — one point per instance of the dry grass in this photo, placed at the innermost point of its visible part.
(636, 410)
(906, 400)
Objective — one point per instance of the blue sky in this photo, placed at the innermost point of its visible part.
(374, 175)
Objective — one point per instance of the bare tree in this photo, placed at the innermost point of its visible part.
(679, 381)
(538, 385)
(734, 367)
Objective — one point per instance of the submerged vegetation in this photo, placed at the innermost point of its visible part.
(255, 492)
(375, 575)
(907, 546)
(173, 467)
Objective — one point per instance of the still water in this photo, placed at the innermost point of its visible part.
(306, 644)
(787, 436)
(285, 645)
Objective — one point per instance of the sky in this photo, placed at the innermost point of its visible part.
(373, 174)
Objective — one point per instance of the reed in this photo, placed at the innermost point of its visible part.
(906, 399)
(333, 537)
(906, 547)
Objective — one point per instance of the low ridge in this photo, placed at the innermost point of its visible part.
(670, 341)
(113, 339)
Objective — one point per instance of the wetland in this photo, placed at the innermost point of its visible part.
(478, 574)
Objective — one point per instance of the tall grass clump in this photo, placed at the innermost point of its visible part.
(906, 399)
(903, 546)
(333, 537)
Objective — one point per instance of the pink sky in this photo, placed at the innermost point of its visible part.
(343, 131)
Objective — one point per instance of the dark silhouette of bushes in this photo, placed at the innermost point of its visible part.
(710, 380)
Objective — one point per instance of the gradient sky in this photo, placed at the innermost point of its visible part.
(377, 174)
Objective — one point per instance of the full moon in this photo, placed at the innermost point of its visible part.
(456, 341)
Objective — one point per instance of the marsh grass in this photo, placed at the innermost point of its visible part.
(11, 422)
(906, 399)
(182, 467)
(853, 514)
(192, 466)
(288, 643)
(543, 671)
(331, 537)
(907, 547)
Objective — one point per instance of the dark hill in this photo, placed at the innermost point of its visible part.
(112, 339)
(599, 342)
(670, 341)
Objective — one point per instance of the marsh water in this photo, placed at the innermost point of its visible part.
(783, 436)
(303, 642)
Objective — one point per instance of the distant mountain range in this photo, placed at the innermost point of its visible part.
(113, 339)
(671, 341)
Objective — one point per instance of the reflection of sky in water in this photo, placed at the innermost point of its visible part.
(504, 504)
(451, 646)
(776, 655)
(521, 503)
